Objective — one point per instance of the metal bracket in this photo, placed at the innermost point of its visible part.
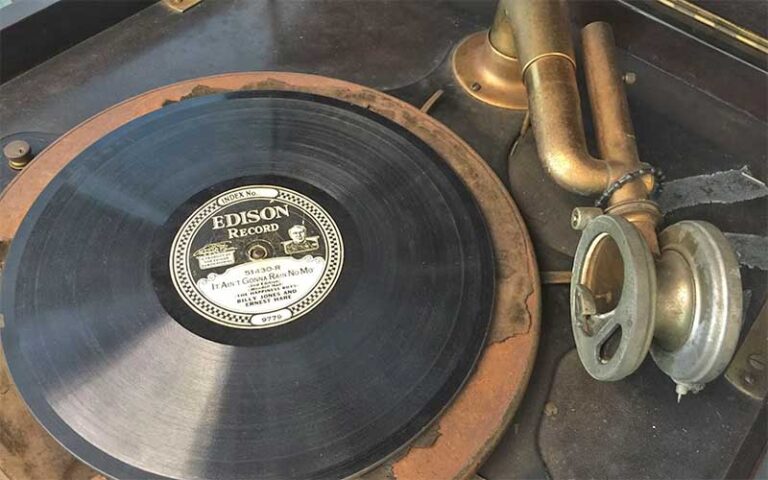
(749, 369)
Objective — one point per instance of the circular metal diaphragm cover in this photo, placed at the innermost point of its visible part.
(717, 303)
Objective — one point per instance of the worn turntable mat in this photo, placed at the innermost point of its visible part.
(134, 380)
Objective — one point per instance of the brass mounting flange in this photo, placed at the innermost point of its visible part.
(488, 74)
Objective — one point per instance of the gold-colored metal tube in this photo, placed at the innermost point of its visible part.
(540, 28)
(501, 35)
(610, 111)
(553, 99)
(615, 134)
(544, 47)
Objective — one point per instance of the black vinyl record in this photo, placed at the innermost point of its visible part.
(247, 285)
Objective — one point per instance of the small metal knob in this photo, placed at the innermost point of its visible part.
(581, 216)
(18, 153)
(629, 78)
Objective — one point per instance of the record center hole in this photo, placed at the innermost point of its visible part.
(257, 252)
(610, 346)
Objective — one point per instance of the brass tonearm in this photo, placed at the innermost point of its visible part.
(676, 293)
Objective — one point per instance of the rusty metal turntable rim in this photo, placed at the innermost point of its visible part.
(470, 427)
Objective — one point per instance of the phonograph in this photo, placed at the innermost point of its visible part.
(383, 240)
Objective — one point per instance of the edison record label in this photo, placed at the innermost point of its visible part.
(257, 256)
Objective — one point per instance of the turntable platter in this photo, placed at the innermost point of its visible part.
(258, 284)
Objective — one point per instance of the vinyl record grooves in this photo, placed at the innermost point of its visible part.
(121, 341)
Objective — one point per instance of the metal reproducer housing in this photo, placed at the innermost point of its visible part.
(684, 306)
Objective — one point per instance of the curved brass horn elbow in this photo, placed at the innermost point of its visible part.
(542, 38)
(553, 99)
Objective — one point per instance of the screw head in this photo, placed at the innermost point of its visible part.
(550, 409)
(475, 87)
(629, 78)
(756, 361)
